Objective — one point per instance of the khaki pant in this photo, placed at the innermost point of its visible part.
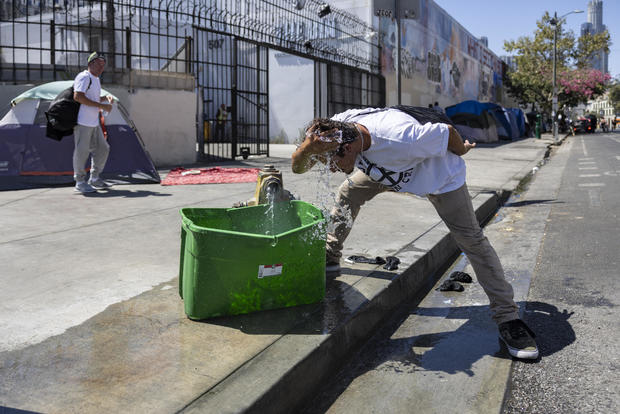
(89, 140)
(457, 212)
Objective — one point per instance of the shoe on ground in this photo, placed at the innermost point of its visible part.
(84, 188)
(332, 267)
(99, 184)
(519, 339)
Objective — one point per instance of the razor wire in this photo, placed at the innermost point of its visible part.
(309, 28)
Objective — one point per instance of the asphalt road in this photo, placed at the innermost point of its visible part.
(577, 278)
(440, 354)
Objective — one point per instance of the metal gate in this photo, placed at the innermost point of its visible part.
(232, 75)
(338, 88)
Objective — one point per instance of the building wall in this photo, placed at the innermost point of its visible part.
(291, 96)
(165, 119)
(440, 60)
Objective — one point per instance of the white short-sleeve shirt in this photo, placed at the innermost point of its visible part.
(406, 155)
(88, 115)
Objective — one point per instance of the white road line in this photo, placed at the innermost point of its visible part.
(618, 157)
(591, 185)
(586, 162)
(588, 168)
(586, 159)
(595, 198)
(588, 175)
(583, 145)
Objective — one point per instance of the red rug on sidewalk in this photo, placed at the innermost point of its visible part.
(214, 175)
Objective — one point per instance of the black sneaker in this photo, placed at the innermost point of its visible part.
(519, 339)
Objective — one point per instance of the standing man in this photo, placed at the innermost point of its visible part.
(411, 150)
(89, 139)
(438, 108)
(220, 124)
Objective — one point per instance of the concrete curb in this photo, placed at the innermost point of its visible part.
(272, 381)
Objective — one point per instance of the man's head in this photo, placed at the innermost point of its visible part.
(96, 63)
(436, 103)
(346, 132)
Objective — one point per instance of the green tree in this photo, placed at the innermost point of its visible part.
(532, 82)
(614, 96)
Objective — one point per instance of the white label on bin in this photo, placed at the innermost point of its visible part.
(269, 270)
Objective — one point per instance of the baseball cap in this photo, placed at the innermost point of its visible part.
(95, 55)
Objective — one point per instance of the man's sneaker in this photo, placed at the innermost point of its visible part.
(519, 339)
(332, 267)
(99, 184)
(83, 187)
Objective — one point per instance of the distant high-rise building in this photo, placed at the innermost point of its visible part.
(586, 28)
(485, 41)
(594, 26)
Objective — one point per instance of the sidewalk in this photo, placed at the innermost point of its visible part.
(92, 321)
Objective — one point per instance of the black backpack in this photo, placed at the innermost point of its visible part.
(62, 114)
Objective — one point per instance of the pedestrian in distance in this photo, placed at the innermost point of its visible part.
(438, 108)
(89, 139)
(417, 151)
(220, 122)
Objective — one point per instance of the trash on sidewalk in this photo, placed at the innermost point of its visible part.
(461, 277)
(390, 262)
(450, 285)
(362, 259)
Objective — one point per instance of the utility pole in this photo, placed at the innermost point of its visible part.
(554, 100)
(398, 83)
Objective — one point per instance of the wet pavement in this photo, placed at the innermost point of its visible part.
(92, 321)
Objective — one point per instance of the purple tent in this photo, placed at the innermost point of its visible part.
(29, 159)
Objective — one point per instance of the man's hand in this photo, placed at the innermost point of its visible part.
(468, 145)
(314, 144)
(320, 143)
(456, 144)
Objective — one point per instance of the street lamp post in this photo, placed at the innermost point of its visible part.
(554, 100)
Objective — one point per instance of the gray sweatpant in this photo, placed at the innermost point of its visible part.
(457, 212)
(89, 140)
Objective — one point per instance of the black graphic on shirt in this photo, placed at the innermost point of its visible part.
(392, 179)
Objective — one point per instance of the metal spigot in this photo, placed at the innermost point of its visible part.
(269, 184)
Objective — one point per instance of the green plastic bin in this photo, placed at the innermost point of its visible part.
(242, 260)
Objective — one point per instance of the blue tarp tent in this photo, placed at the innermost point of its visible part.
(29, 159)
(520, 120)
(504, 130)
(473, 121)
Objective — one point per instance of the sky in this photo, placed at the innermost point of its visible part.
(501, 20)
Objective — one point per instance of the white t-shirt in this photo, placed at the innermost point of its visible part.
(88, 115)
(406, 155)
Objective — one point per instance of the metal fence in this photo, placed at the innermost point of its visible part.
(217, 48)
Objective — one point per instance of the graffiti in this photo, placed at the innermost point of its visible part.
(434, 67)
(484, 85)
(444, 55)
(408, 63)
(456, 75)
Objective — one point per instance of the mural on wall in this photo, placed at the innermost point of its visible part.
(439, 57)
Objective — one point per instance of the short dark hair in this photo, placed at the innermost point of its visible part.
(349, 131)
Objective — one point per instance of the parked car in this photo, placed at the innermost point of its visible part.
(583, 126)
